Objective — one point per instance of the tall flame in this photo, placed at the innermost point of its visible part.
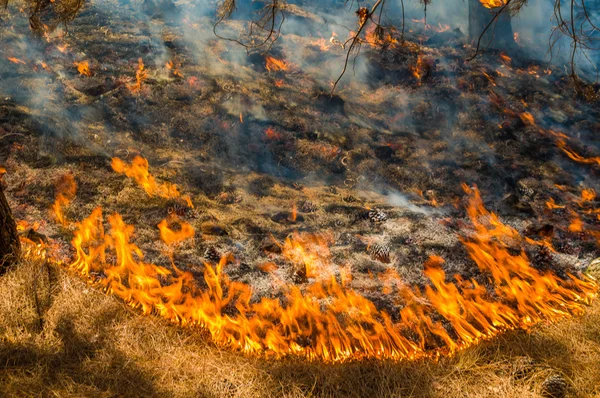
(140, 75)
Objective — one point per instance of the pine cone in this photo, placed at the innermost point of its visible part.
(211, 254)
(308, 207)
(522, 367)
(555, 386)
(525, 190)
(377, 216)
(379, 252)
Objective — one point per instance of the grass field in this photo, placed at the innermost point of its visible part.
(59, 337)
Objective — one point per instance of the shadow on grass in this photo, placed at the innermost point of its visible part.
(75, 363)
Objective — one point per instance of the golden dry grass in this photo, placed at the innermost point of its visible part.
(90, 344)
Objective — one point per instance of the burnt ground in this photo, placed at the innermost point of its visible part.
(378, 165)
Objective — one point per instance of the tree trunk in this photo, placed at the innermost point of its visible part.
(499, 36)
(10, 248)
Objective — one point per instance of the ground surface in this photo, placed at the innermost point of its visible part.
(90, 344)
(248, 145)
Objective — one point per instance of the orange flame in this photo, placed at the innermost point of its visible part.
(274, 64)
(492, 3)
(138, 170)
(83, 68)
(575, 156)
(174, 69)
(140, 76)
(16, 60)
(527, 118)
(170, 236)
(66, 188)
(328, 320)
(418, 69)
(551, 204)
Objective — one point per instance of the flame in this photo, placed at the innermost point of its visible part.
(16, 60)
(505, 59)
(83, 68)
(170, 236)
(328, 320)
(294, 215)
(551, 204)
(587, 195)
(517, 38)
(138, 170)
(493, 3)
(321, 44)
(576, 223)
(274, 64)
(527, 118)
(140, 76)
(418, 69)
(271, 134)
(2, 172)
(66, 188)
(170, 65)
(23, 225)
(575, 156)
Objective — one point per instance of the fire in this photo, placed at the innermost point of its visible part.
(140, 76)
(138, 170)
(551, 204)
(517, 38)
(527, 118)
(66, 188)
(418, 70)
(174, 69)
(321, 44)
(23, 225)
(309, 253)
(328, 320)
(575, 156)
(83, 68)
(505, 59)
(493, 3)
(274, 64)
(16, 60)
(2, 172)
(271, 134)
(170, 236)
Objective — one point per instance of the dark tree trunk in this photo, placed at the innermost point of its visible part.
(10, 248)
(499, 36)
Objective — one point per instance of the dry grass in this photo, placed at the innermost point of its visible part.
(89, 344)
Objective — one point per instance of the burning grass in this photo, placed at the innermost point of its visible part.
(88, 343)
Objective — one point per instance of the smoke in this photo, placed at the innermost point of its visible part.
(397, 199)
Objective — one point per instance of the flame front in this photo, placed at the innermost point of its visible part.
(328, 320)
